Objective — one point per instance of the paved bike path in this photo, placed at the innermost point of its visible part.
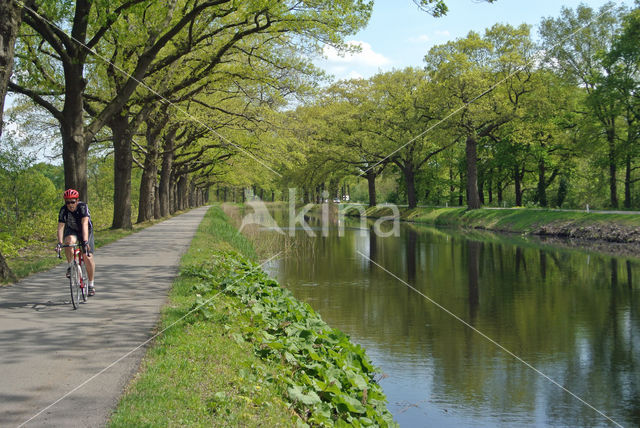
(47, 349)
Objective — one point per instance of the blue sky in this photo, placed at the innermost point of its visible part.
(399, 34)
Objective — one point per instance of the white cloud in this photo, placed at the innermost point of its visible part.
(345, 72)
(422, 38)
(355, 75)
(442, 33)
(366, 57)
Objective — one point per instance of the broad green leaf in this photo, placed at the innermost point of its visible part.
(310, 398)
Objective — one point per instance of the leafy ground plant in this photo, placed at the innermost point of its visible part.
(329, 380)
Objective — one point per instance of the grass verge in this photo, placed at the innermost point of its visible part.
(239, 350)
(584, 225)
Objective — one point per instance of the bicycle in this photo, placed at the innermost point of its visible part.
(78, 280)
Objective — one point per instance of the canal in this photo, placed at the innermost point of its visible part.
(476, 329)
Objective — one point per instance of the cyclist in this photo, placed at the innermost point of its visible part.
(74, 225)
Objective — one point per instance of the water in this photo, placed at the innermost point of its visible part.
(573, 316)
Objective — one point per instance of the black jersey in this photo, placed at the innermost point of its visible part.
(73, 219)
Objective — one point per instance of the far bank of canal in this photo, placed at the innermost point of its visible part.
(573, 315)
(606, 226)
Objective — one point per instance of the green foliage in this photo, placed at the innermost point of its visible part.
(52, 172)
(330, 380)
(28, 200)
(35, 191)
(573, 115)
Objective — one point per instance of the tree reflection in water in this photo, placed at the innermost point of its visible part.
(562, 311)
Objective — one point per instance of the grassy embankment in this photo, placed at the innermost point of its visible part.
(585, 225)
(238, 350)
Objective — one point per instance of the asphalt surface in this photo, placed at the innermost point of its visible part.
(82, 359)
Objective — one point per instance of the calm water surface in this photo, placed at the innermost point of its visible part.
(574, 316)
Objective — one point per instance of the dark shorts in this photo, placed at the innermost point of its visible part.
(92, 246)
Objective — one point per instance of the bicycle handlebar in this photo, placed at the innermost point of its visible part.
(60, 247)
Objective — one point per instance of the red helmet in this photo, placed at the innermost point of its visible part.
(71, 194)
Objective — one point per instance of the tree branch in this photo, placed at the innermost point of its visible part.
(37, 98)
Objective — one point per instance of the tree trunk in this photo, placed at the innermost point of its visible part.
(9, 25)
(150, 172)
(173, 195)
(123, 164)
(5, 273)
(611, 140)
(410, 182)
(182, 192)
(452, 187)
(473, 198)
(371, 181)
(627, 182)
(461, 191)
(75, 137)
(156, 201)
(192, 200)
(542, 184)
(74, 157)
(165, 175)
(146, 207)
(517, 184)
(75, 143)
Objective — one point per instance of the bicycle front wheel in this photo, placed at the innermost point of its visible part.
(74, 284)
(85, 283)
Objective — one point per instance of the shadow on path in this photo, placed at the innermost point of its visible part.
(47, 349)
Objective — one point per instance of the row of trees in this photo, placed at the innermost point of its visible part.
(178, 88)
(490, 117)
(175, 90)
(173, 97)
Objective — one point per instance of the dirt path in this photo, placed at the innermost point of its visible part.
(84, 358)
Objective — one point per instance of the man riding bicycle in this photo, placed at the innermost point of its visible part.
(74, 225)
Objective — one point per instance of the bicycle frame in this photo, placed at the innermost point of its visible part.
(78, 281)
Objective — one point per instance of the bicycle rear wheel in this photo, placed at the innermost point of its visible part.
(74, 284)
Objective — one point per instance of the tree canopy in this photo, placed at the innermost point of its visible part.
(181, 100)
